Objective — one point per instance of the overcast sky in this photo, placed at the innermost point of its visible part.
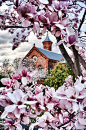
(6, 44)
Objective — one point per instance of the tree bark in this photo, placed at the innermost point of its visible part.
(67, 58)
(82, 61)
(76, 61)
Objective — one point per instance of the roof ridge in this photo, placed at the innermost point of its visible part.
(49, 51)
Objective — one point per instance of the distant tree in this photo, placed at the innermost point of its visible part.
(6, 68)
(16, 63)
(29, 63)
(58, 75)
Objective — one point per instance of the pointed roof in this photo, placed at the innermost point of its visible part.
(47, 38)
(52, 55)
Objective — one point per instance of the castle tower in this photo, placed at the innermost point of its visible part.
(47, 43)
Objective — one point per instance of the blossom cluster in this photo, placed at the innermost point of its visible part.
(42, 15)
(28, 103)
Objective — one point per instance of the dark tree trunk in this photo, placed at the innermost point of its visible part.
(67, 57)
(75, 66)
(76, 61)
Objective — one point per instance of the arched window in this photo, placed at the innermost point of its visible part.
(35, 58)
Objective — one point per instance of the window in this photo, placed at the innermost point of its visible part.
(40, 67)
(35, 58)
(50, 67)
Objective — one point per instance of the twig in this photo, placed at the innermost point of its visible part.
(82, 21)
(70, 118)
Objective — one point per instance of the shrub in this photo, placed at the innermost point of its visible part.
(58, 75)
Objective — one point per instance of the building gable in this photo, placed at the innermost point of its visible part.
(32, 51)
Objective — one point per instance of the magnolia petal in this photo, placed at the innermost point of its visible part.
(58, 33)
(79, 87)
(42, 107)
(72, 39)
(22, 110)
(29, 78)
(21, 106)
(60, 97)
(37, 27)
(78, 126)
(18, 127)
(5, 81)
(24, 80)
(30, 102)
(18, 94)
(17, 85)
(69, 92)
(44, 1)
(82, 121)
(69, 31)
(60, 13)
(17, 113)
(11, 127)
(24, 72)
(75, 106)
(4, 114)
(20, 67)
(30, 15)
(60, 26)
(26, 120)
(12, 97)
(10, 108)
(61, 118)
(32, 126)
(65, 21)
(25, 23)
(50, 106)
(2, 97)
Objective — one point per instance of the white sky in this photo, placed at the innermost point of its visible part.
(6, 44)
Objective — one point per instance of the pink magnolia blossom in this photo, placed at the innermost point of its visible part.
(18, 104)
(45, 120)
(72, 39)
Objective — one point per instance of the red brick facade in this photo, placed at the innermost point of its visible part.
(42, 60)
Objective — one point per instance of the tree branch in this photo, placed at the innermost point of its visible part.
(82, 61)
(31, 26)
(5, 27)
(70, 119)
(67, 57)
(76, 61)
(82, 21)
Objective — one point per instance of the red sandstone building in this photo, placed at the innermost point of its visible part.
(45, 58)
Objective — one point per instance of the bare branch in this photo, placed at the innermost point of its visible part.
(76, 61)
(82, 21)
(70, 119)
(67, 57)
